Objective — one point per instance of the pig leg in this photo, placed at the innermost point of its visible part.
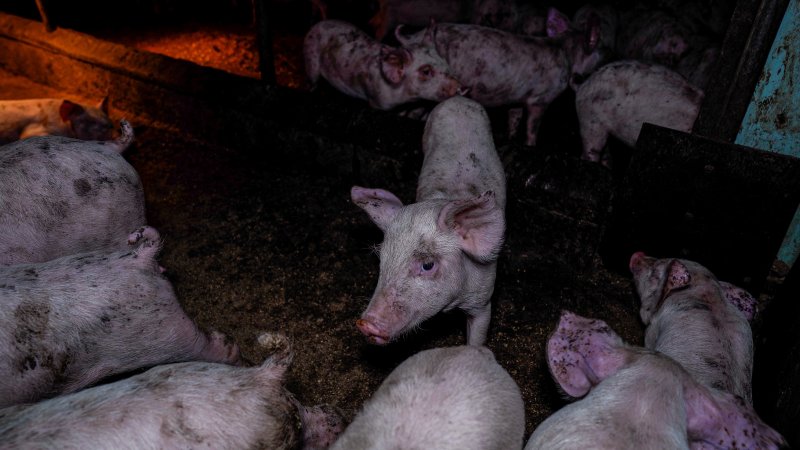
(216, 348)
(594, 136)
(148, 233)
(322, 424)
(478, 325)
(514, 118)
(535, 112)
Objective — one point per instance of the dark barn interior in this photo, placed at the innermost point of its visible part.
(247, 177)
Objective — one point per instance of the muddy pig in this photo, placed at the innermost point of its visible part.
(608, 19)
(68, 323)
(183, 405)
(689, 319)
(513, 16)
(635, 398)
(60, 196)
(651, 35)
(441, 252)
(501, 68)
(443, 398)
(618, 98)
(20, 119)
(417, 13)
(362, 67)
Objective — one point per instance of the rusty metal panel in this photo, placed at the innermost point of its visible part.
(723, 205)
(772, 120)
(747, 41)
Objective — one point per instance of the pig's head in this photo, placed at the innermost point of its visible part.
(671, 46)
(656, 279)
(718, 420)
(424, 257)
(581, 46)
(582, 352)
(86, 122)
(418, 70)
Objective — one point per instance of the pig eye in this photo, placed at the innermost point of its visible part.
(426, 71)
(427, 266)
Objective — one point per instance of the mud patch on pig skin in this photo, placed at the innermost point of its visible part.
(82, 187)
(175, 425)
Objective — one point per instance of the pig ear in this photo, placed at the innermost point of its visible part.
(479, 222)
(103, 105)
(401, 38)
(741, 299)
(557, 23)
(393, 61)
(430, 34)
(69, 110)
(382, 206)
(582, 352)
(592, 32)
(678, 277)
(717, 419)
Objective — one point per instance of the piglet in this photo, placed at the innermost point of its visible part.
(445, 399)
(689, 318)
(618, 98)
(60, 196)
(20, 119)
(183, 405)
(514, 16)
(501, 68)
(635, 398)
(441, 252)
(416, 13)
(70, 322)
(362, 67)
(651, 35)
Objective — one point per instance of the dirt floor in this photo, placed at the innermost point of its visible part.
(256, 243)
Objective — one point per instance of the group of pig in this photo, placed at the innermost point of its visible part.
(83, 298)
(626, 67)
(81, 303)
(688, 388)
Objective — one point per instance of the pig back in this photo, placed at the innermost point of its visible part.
(60, 196)
(460, 157)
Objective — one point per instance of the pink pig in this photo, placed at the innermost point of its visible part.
(20, 119)
(361, 67)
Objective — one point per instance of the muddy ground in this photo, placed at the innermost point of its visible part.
(257, 242)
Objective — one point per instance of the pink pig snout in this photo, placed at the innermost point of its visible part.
(372, 332)
(635, 261)
(452, 87)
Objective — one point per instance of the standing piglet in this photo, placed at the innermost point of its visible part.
(445, 399)
(60, 196)
(637, 399)
(441, 252)
(20, 119)
(689, 318)
(70, 322)
(618, 98)
(180, 406)
(362, 67)
(501, 68)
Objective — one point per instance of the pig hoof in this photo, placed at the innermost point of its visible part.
(373, 334)
(221, 349)
(148, 233)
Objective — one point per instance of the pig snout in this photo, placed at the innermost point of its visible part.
(450, 88)
(373, 333)
(636, 261)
